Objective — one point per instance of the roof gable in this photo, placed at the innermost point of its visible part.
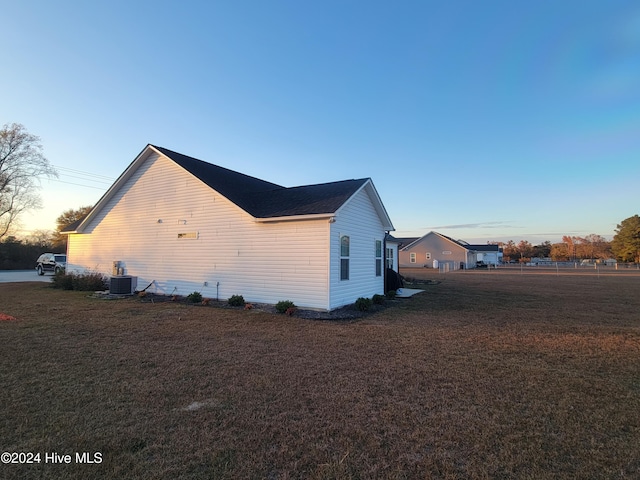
(448, 239)
(259, 198)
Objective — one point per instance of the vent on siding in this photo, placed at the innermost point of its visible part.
(122, 285)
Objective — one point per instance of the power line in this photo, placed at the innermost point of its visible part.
(84, 177)
(109, 182)
(78, 184)
(88, 174)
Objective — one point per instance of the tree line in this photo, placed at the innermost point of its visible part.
(625, 246)
(22, 163)
(572, 248)
(22, 253)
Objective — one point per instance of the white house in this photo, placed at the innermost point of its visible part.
(486, 253)
(184, 225)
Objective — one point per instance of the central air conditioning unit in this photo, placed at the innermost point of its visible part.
(121, 285)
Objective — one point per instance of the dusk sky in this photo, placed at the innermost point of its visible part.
(483, 121)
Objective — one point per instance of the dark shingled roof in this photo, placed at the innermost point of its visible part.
(305, 200)
(264, 199)
(484, 248)
(404, 241)
(72, 226)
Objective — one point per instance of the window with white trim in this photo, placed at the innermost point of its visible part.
(378, 258)
(344, 257)
(390, 258)
(412, 257)
(428, 255)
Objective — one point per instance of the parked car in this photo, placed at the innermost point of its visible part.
(51, 262)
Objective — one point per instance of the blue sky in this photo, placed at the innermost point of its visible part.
(483, 121)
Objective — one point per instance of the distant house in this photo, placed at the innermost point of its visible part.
(487, 254)
(435, 250)
(184, 225)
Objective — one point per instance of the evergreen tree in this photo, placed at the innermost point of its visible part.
(626, 242)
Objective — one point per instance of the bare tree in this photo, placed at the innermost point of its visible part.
(41, 238)
(21, 163)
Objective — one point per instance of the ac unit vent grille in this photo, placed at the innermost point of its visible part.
(121, 285)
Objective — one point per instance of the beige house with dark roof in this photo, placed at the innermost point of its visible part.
(435, 250)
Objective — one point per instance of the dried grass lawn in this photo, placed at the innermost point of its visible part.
(484, 375)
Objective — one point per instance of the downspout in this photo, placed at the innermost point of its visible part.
(329, 259)
(384, 262)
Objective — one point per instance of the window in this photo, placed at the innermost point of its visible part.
(412, 257)
(378, 258)
(428, 255)
(344, 257)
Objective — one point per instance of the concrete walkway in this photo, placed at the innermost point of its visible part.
(407, 292)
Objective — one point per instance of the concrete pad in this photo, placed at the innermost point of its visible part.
(407, 292)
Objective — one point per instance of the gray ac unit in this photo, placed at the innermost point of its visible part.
(121, 285)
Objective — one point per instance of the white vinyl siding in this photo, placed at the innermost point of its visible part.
(141, 226)
(358, 219)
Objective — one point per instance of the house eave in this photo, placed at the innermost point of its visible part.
(295, 218)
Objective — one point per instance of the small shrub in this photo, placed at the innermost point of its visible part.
(363, 304)
(63, 281)
(391, 294)
(378, 299)
(236, 301)
(284, 305)
(194, 297)
(88, 282)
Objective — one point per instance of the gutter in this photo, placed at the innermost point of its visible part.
(295, 218)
